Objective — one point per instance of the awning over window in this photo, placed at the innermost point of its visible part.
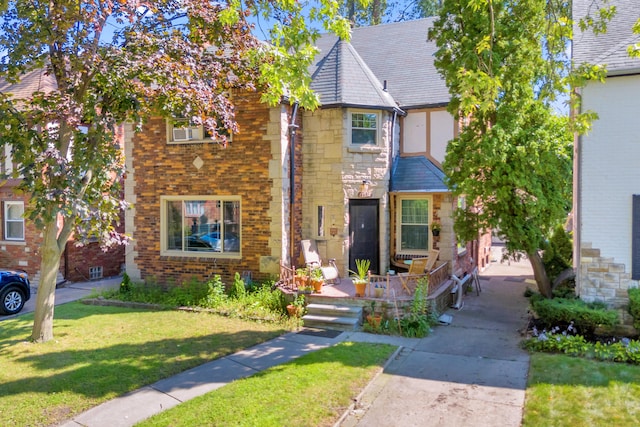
(417, 174)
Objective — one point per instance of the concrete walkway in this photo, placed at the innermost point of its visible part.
(469, 373)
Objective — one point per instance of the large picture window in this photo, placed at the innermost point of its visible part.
(201, 224)
(364, 128)
(14, 220)
(413, 222)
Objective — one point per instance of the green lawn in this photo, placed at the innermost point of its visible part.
(572, 392)
(101, 352)
(313, 390)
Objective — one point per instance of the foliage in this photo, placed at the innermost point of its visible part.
(237, 290)
(565, 342)
(634, 306)
(316, 274)
(299, 301)
(562, 311)
(558, 252)
(259, 303)
(125, 285)
(362, 267)
(102, 64)
(374, 12)
(505, 63)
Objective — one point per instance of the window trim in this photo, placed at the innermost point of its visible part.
(171, 125)
(7, 205)
(399, 199)
(350, 128)
(164, 251)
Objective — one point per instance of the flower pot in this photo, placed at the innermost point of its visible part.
(360, 288)
(374, 320)
(293, 310)
(317, 285)
(378, 292)
(435, 233)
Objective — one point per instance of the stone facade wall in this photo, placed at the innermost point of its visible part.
(251, 167)
(333, 174)
(601, 278)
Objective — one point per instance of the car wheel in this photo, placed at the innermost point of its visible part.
(12, 301)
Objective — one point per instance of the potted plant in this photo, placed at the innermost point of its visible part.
(317, 280)
(374, 319)
(296, 307)
(435, 228)
(360, 276)
(305, 289)
(302, 277)
(378, 290)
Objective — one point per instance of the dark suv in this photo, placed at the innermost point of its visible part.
(14, 291)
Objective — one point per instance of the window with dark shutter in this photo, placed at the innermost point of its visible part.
(635, 238)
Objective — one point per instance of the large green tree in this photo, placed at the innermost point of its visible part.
(113, 61)
(505, 63)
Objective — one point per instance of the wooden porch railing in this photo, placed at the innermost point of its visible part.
(438, 276)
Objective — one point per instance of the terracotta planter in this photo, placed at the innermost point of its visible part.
(317, 285)
(360, 288)
(293, 310)
(374, 320)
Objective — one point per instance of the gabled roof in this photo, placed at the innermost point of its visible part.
(609, 48)
(33, 81)
(397, 53)
(343, 78)
(417, 174)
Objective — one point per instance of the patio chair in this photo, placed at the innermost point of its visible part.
(417, 270)
(312, 260)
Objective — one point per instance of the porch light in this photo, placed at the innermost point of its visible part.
(365, 190)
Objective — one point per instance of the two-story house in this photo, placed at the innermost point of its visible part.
(366, 180)
(20, 240)
(607, 171)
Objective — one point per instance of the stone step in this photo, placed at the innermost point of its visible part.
(334, 310)
(331, 322)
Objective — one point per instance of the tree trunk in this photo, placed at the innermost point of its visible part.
(45, 299)
(540, 274)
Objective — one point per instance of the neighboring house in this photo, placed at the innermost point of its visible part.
(607, 166)
(21, 241)
(368, 178)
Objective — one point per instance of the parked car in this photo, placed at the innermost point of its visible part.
(15, 290)
(213, 242)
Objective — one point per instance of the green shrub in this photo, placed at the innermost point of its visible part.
(634, 306)
(216, 295)
(558, 253)
(562, 311)
(238, 290)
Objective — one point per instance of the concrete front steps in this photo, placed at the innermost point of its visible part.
(333, 316)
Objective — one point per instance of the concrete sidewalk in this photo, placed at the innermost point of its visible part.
(469, 373)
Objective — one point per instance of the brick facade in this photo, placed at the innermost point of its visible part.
(253, 166)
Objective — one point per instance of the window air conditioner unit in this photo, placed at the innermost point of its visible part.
(182, 134)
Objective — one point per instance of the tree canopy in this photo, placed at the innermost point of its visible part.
(506, 62)
(111, 61)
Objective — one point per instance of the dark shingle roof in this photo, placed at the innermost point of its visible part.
(609, 48)
(397, 53)
(417, 174)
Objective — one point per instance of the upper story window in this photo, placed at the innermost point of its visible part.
(364, 128)
(13, 220)
(198, 225)
(183, 132)
(413, 225)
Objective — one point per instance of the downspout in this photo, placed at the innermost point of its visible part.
(292, 179)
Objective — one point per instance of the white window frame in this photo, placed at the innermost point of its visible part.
(350, 127)
(164, 235)
(195, 134)
(7, 220)
(399, 249)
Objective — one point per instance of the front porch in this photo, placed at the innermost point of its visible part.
(394, 301)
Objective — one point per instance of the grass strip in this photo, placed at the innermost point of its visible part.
(570, 391)
(313, 390)
(101, 352)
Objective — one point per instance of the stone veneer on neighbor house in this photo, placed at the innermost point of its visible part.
(602, 279)
(254, 166)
